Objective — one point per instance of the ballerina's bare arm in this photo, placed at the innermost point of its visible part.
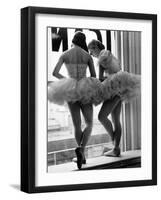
(91, 67)
(101, 73)
(58, 67)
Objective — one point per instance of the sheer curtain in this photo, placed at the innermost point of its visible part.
(126, 46)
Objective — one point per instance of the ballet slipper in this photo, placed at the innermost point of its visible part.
(79, 155)
(113, 153)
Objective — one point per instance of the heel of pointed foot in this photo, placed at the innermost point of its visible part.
(117, 152)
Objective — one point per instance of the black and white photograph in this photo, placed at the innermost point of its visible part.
(88, 86)
(94, 99)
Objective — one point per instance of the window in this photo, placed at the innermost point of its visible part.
(124, 45)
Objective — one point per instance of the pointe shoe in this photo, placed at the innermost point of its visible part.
(79, 155)
(113, 153)
(75, 160)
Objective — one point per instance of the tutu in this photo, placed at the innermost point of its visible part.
(124, 84)
(85, 90)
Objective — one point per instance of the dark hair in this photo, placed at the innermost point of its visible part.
(96, 44)
(80, 40)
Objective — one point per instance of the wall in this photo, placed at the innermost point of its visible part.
(10, 99)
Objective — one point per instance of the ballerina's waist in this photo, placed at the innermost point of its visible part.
(78, 78)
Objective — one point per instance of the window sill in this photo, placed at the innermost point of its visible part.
(127, 159)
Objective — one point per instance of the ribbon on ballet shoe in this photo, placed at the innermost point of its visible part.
(79, 155)
(75, 160)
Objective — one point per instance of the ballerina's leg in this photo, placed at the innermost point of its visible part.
(117, 131)
(81, 137)
(117, 124)
(76, 118)
(87, 111)
(105, 110)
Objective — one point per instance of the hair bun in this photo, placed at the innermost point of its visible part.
(80, 40)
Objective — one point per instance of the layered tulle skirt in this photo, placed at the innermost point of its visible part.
(124, 84)
(85, 90)
(90, 90)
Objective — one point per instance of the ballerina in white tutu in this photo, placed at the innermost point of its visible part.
(79, 91)
(118, 86)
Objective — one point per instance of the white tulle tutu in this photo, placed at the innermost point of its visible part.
(85, 90)
(124, 84)
(91, 90)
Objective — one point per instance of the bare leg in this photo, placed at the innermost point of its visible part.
(76, 117)
(81, 137)
(117, 131)
(106, 109)
(117, 125)
(87, 111)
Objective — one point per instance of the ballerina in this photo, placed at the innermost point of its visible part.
(118, 86)
(79, 91)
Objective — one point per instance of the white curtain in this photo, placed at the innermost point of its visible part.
(126, 46)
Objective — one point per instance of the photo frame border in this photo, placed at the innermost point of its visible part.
(28, 98)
